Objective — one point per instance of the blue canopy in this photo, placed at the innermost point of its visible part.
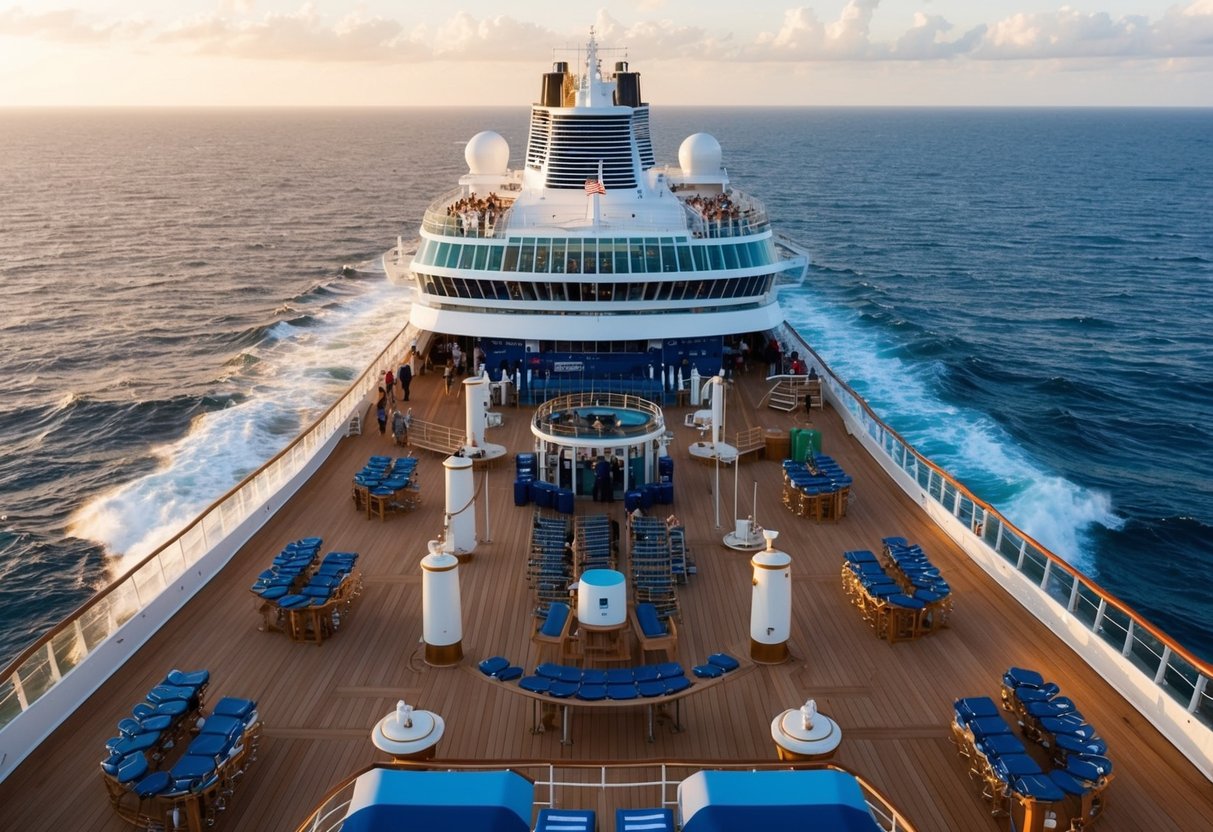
(385, 800)
(732, 801)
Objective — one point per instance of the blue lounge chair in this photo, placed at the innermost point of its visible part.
(644, 820)
(565, 820)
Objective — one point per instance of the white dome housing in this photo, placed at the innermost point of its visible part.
(488, 154)
(699, 155)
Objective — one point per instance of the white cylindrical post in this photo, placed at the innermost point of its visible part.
(460, 486)
(717, 409)
(695, 397)
(441, 610)
(670, 373)
(476, 401)
(771, 604)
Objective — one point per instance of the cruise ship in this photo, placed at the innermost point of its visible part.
(622, 553)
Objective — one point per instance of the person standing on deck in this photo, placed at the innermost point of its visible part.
(389, 384)
(381, 411)
(406, 380)
(602, 480)
(448, 374)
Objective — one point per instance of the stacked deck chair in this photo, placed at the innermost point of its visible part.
(549, 566)
(652, 565)
(1069, 792)
(593, 543)
(681, 562)
(817, 488)
(385, 485)
(318, 609)
(880, 599)
(285, 576)
(921, 580)
(147, 787)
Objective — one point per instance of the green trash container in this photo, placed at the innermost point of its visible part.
(800, 444)
(814, 440)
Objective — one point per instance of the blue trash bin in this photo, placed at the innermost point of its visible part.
(564, 501)
(647, 496)
(631, 501)
(541, 493)
(522, 492)
(665, 469)
(665, 493)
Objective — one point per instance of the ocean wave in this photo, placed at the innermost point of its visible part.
(228, 438)
(977, 450)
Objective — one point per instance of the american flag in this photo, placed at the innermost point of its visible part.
(593, 186)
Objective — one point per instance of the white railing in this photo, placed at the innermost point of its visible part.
(554, 783)
(136, 603)
(1164, 681)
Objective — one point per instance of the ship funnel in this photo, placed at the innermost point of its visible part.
(627, 86)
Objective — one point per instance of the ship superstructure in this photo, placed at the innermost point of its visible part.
(591, 240)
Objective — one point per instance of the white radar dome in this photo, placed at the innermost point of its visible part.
(487, 153)
(699, 155)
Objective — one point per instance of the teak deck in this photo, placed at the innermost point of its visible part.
(319, 703)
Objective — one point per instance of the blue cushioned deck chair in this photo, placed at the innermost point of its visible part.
(653, 634)
(565, 820)
(644, 820)
(552, 634)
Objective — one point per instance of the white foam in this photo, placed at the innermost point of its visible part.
(1057, 513)
(300, 372)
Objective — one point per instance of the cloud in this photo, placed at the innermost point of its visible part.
(66, 26)
(1182, 31)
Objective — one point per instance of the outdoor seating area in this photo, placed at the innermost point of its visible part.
(1066, 793)
(157, 781)
(553, 684)
(305, 597)
(816, 488)
(899, 604)
(385, 485)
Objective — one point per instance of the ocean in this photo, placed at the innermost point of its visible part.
(1021, 293)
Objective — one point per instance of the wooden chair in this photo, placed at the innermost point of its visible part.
(652, 634)
(553, 633)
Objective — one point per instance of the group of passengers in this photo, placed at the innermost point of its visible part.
(476, 214)
(717, 208)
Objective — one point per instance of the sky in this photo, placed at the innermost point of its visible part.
(689, 52)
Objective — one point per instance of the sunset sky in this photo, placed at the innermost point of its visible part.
(471, 52)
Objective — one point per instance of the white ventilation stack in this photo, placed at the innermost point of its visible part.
(771, 603)
(441, 608)
(460, 490)
(476, 401)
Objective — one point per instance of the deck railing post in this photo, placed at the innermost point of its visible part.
(1162, 665)
(1128, 648)
(1072, 604)
(1197, 693)
(1044, 579)
(1097, 624)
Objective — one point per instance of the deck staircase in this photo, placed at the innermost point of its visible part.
(789, 392)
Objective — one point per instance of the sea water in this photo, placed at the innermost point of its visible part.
(1020, 293)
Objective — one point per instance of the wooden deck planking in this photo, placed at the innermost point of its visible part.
(320, 703)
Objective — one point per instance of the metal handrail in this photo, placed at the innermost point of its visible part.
(992, 522)
(329, 814)
(41, 666)
(623, 401)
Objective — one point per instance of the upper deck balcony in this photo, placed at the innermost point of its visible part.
(728, 214)
(456, 214)
(704, 216)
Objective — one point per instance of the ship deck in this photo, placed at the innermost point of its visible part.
(320, 703)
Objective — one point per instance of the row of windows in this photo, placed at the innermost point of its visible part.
(733, 287)
(595, 256)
